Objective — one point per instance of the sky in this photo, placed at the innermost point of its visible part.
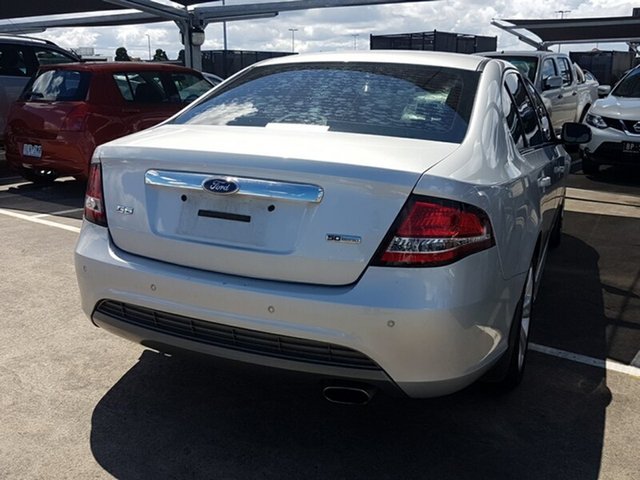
(346, 28)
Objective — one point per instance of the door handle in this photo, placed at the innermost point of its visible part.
(560, 96)
(574, 94)
(544, 182)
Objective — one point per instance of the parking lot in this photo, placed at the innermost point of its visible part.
(77, 402)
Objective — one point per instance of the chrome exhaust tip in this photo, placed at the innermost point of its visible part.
(348, 394)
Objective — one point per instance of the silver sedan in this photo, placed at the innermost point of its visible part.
(378, 219)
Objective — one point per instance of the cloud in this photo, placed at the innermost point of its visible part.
(333, 28)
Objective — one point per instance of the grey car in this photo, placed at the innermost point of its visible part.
(377, 219)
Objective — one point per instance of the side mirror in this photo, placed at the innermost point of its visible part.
(604, 90)
(552, 82)
(575, 133)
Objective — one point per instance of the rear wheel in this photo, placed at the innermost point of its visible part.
(556, 233)
(508, 372)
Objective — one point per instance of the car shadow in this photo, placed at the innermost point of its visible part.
(189, 417)
(617, 176)
(59, 196)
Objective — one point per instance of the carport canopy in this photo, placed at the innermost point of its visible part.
(36, 8)
(575, 30)
(601, 29)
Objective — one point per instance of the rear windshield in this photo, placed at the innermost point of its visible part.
(410, 101)
(527, 65)
(58, 85)
(629, 86)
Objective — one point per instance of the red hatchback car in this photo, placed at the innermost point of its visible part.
(67, 110)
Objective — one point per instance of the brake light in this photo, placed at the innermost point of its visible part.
(94, 199)
(431, 232)
(76, 119)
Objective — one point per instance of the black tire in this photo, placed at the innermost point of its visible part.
(37, 178)
(556, 232)
(588, 166)
(508, 372)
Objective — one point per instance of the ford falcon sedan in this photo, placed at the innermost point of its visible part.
(375, 218)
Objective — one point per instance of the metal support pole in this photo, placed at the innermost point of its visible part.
(192, 53)
(224, 32)
(293, 39)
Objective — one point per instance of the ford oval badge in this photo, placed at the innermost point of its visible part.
(221, 186)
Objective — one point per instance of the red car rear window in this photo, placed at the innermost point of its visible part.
(58, 85)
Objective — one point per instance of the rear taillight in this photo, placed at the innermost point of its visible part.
(94, 199)
(76, 119)
(432, 232)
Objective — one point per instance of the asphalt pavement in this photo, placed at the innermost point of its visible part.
(79, 403)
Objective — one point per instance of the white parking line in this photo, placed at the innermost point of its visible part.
(602, 203)
(34, 219)
(594, 362)
(636, 360)
(9, 186)
(60, 212)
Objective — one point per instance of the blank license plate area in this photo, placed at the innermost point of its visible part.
(233, 221)
(31, 150)
(631, 147)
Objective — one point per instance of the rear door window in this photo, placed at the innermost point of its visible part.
(513, 120)
(58, 86)
(13, 61)
(525, 110)
(543, 115)
(141, 87)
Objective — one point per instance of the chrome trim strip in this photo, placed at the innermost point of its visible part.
(252, 187)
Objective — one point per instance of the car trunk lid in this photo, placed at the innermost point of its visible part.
(290, 204)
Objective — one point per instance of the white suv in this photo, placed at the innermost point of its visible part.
(20, 58)
(615, 127)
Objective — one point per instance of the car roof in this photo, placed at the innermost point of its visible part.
(440, 59)
(119, 67)
(19, 39)
(520, 53)
(33, 41)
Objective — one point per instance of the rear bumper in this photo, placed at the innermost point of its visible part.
(68, 154)
(430, 331)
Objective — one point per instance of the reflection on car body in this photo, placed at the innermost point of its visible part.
(440, 170)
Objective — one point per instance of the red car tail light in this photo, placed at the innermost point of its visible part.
(94, 199)
(431, 232)
(75, 121)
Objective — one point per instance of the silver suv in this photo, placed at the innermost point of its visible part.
(566, 95)
(20, 58)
